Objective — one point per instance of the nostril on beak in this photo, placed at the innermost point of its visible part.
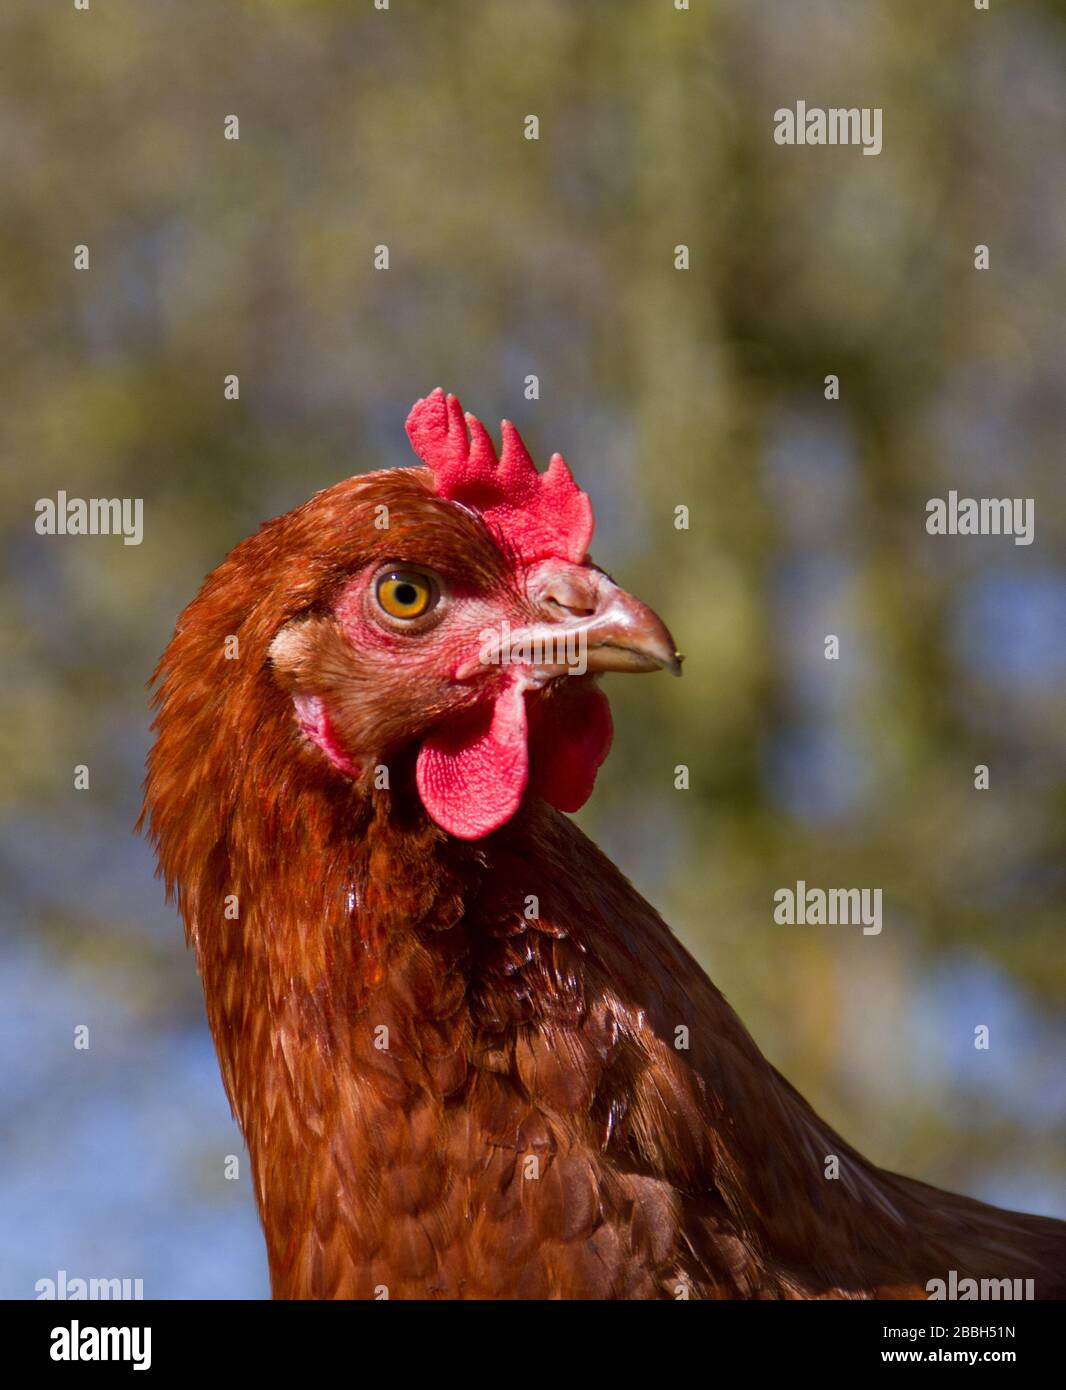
(572, 598)
(570, 608)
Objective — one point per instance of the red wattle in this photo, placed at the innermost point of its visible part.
(570, 733)
(472, 772)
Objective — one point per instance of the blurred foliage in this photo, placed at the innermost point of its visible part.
(662, 387)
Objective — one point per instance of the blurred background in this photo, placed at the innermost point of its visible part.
(663, 387)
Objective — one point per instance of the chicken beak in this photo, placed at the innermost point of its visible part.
(617, 631)
(626, 635)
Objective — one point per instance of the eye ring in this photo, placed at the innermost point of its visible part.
(404, 595)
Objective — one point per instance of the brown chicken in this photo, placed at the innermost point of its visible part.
(445, 1021)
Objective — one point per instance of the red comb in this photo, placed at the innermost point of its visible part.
(538, 515)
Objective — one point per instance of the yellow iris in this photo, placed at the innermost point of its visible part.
(405, 593)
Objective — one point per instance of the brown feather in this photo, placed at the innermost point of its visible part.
(530, 1131)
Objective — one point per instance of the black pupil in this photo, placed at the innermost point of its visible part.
(406, 595)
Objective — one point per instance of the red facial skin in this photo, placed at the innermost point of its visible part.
(500, 724)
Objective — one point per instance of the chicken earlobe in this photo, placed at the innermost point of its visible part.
(295, 654)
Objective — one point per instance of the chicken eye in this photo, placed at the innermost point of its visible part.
(406, 593)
